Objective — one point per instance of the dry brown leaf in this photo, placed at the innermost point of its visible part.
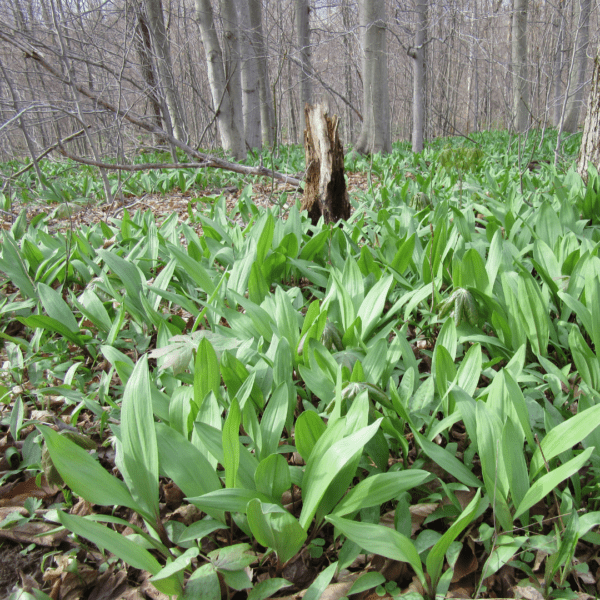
(527, 592)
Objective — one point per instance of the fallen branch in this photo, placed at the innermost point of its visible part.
(128, 115)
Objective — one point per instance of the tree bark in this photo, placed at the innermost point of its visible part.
(231, 137)
(231, 60)
(325, 192)
(418, 55)
(250, 77)
(577, 76)
(375, 133)
(519, 65)
(303, 46)
(590, 142)
(156, 22)
(267, 117)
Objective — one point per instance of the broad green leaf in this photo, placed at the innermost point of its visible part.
(203, 584)
(564, 436)
(182, 462)
(447, 461)
(436, 556)
(469, 370)
(380, 540)
(274, 527)
(273, 420)
(12, 264)
(207, 377)
(545, 484)
(378, 489)
(83, 474)
(501, 554)
(231, 444)
(514, 459)
(228, 499)
(309, 428)
(273, 477)
(50, 324)
(128, 551)
(268, 587)
(175, 566)
(212, 439)
(327, 466)
(372, 307)
(319, 585)
(138, 438)
(56, 307)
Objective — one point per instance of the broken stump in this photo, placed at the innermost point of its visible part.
(325, 187)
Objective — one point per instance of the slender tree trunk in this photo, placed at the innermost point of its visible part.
(231, 60)
(162, 51)
(590, 142)
(303, 46)
(231, 137)
(267, 116)
(577, 76)
(418, 55)
(375, 135)
(559, 25)
(250, 77)
(519, 65)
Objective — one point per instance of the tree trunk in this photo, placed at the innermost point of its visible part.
(375, 134)
(303, 46)
(156, 22)
(418, 54)
(519, 65)
(231, 60)
(577, 76)
(250, 76)
(559, 25)
(231, 137)
(590, 142)
(267, 117)
(325, 186)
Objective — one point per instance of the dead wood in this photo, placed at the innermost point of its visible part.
(325, 186)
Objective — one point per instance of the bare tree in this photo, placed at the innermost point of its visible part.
(160, 43)
(590, 142)
(303, 47)
(418, 55)
(231, 137)
(519, 65)
(578, 73)
(375, 135)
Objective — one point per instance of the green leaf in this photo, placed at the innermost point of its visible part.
(56, 307)
(501, 555)
(436, 556)
(138, 437)
(319, 585)
(309, 428)
(230, 500)
(83, 474)
(231, 444)
(203, 584)
(207, 377)
(273, 420)
(447, 461)
(564, 436)
(378, 489)
(380, 540)
(267, 588)
(182, 462)
(328, 465)
(130, 552)
(545, 484)
(50, 324)
(372, 306)
(274, 527)
(273, 477)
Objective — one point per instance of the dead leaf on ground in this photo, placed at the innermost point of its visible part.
(68, 585)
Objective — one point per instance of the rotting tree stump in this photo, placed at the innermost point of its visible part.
(324, 186)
